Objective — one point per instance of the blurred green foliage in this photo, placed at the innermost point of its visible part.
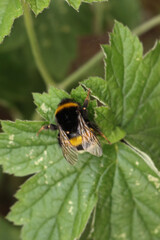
(60, 31)
(8, 231)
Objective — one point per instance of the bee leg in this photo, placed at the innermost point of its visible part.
(85, 105)
(102, 135)
(86, 101)
(50, 126)
(59, 141)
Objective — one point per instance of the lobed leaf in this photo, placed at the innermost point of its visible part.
(133, 89)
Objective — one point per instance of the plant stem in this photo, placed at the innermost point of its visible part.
(84, 68)
(98, 19)
(99, 56)
(34, 46)
(144, 27)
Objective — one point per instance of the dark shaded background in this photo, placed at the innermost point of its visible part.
(67, 39)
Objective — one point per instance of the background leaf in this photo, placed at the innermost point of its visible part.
(19, 76)
(10, 9)
(58, 30)
(127, 12)
(58, 45)
(38, 5)
(76, 3)
(8, 231)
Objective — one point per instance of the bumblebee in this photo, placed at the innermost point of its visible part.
(76, 132)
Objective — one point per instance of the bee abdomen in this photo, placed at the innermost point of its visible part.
(76, 141)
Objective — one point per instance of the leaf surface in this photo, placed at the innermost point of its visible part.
(104, 117)
(47, 103)
(128, 206)
(38, 5)
(9, 10)
(98, 87)
(22, 152)
(106, 122)
(57, 202)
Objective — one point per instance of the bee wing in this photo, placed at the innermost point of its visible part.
(69, 151)
(90, 143)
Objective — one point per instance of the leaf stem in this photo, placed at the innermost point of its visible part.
(98, 17)
(34, 45)
(99, 56)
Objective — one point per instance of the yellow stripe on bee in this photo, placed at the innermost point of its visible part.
(76, 141)
(66, 105)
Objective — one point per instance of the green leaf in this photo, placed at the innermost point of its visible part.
(104, 116)
(10, 9)
(21, 151)
(98, 88)
(133, 89)
(60, 200)
(57, 202)
(128, 206)
(48, 102)
(124, 55)
(76, 3)
(38, 5)
(106, 122)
